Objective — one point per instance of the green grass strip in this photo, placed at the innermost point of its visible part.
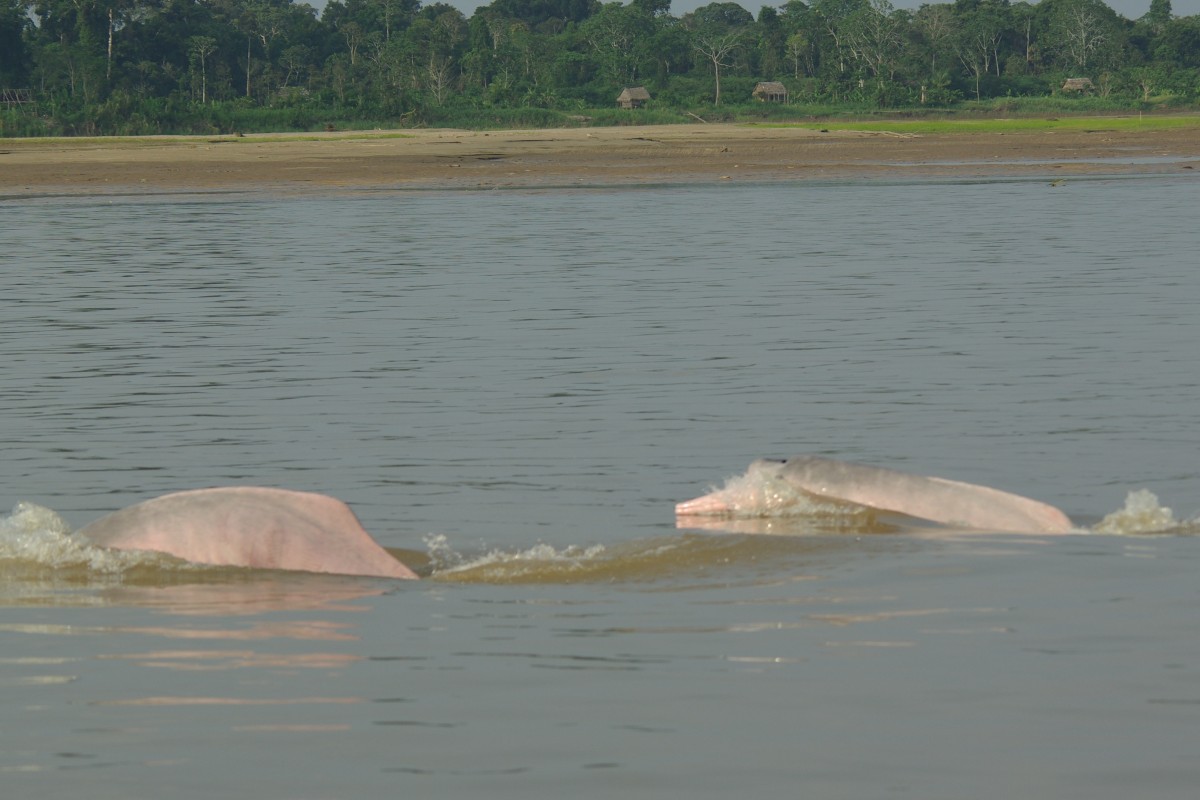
(1009, 125)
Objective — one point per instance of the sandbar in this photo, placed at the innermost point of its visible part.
(616, 156)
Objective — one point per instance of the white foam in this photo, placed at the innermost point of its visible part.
(1141, 514)
(29, 517)
(758, 493)
(37, 536)
(447, 560)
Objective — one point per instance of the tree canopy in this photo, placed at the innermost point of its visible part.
(138, 66)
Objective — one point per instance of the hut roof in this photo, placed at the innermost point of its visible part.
(773, 87)
(634, 93)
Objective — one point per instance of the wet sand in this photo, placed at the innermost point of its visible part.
(662, 154)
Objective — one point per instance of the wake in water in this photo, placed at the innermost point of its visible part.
(36, 543)
(701, 560)
(39, 551)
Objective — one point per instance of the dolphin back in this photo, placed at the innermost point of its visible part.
(250, 526)
(938, 499)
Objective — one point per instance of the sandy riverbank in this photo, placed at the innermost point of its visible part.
(564, 157)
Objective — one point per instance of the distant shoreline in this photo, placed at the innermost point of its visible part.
(617, 156)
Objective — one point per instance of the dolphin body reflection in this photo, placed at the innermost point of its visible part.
(248, 526)
(948, 502)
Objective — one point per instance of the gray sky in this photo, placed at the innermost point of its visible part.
(1131, 9)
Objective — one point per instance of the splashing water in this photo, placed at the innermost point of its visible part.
(36, 536)
(1141, 514)
(447, 561)
(36, 541)
(759, 493)
(30, 517)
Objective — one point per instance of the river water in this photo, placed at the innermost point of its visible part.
(512, 389)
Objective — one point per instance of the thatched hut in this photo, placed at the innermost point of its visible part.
(770, 92)
(1077, 85)
(633, 97)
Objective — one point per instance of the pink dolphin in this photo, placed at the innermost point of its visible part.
(936, 499)
(249, 526)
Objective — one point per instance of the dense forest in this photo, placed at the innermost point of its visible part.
(177, 66)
